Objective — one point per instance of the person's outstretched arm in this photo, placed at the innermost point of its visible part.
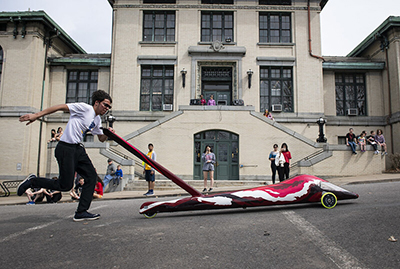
(32, 117)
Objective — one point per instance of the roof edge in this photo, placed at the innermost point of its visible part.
(42, 15)
(391, 21)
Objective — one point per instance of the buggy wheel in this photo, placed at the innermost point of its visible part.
(328, 200)
(150, 216)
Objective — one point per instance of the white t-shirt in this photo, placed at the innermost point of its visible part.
(82, 119)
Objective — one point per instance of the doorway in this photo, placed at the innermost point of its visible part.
(217, 81)
(225, 146)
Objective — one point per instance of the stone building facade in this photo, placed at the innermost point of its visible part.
(250, 55)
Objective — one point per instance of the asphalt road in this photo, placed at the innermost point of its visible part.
(352, 235)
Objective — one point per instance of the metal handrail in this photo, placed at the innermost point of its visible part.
(312, 155)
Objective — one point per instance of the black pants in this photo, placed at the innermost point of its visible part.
(273, 169)
(375, 146)
(71, 158)
(281, 173)
(286, 170)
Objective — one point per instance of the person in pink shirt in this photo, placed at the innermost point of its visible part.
(211, 102)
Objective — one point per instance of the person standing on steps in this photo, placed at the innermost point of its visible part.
(208, 159)
(272, 156)
(286, 154)
(150, 171)
(70, 152)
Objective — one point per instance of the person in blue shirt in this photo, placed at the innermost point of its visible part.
(118, 175)
(272, 156)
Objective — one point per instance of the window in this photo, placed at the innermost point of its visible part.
(216, 26)
(275, 28)
(81, 85)
(159, 26)
(229, 2)
(276, 88)
(159, 1)
(157, 87)
(275, 2)
(350, 93)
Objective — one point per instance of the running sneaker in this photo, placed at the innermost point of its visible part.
(204, 190)
(30, 203)
(210, 189)
(81, 216)
(25, 184)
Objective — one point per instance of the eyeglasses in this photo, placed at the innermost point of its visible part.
(106, 105)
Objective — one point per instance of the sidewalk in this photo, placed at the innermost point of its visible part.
(340, 181)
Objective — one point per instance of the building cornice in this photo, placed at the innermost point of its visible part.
(46, 20)
(217, 7)
(390, 22)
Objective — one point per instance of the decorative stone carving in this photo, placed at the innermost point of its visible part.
(217, 46)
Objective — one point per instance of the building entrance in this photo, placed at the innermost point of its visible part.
(217, 81)
(225, 146)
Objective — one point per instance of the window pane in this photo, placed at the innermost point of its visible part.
(158, 72)
(157, 86)
(168, 99)
(276, 101)
(156, 103)
(73, 75)
(145, 102)
(287, 88)
(275, 88)
(350, 93)
(146, 86)
(146, 72)
(275, 73)
(264, 88)
(339, 92)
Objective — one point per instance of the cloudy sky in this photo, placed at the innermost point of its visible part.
(344, 23)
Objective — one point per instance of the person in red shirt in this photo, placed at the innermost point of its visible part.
(286, 166)
(98, 189)
(202, 100)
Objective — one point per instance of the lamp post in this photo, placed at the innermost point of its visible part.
(183, 72)
(110, 119)
(321, 137)
(249, 75)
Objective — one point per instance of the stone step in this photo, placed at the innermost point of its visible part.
(197, 184)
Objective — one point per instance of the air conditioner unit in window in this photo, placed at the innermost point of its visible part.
(277, 108)
(352, 112)
(167, 107)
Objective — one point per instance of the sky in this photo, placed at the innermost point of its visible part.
(344, 23)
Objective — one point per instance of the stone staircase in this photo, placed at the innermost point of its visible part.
(165, 184)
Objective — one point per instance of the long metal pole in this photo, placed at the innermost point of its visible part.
(47, 43)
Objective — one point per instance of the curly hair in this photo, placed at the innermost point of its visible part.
(100, 95)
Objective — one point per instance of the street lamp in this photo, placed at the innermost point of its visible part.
(183, 72)
(321, 137)
(110, 119)
(249, 75)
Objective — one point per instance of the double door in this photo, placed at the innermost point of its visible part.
(221, 92)
(225, 146)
